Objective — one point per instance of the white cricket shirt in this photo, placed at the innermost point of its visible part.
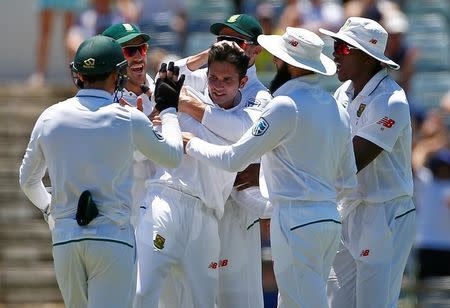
(380, 114)
(87, 143)
(211, 185)
(255, 97)
(304, 139)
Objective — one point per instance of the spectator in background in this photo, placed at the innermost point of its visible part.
(433, 216)
(396, 24)
(47, 11)
(265, 13)
(431, 162)
(311, 15)
(95, 20)
(165, 21)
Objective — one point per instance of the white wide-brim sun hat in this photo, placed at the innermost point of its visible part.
(300, 48)
(366, 35)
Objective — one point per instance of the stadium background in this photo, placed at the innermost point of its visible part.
(26, 273)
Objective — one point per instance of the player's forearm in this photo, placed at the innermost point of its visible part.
(165, 149)
(37, 194)
(197, 61)
(194, 108)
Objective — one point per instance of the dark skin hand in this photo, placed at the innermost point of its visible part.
(247, 178)
(365, 152)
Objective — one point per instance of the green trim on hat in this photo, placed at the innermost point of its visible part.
(125, 32)
(243, 24)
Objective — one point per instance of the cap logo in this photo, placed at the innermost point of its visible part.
(128, 27)
(233, 18)
(89, 63)
(293, 43)
(373, 41)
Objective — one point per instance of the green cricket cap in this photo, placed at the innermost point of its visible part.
(98, 55)
(242, 23)
(125, 32)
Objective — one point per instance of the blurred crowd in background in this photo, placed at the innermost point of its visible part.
(419, 36)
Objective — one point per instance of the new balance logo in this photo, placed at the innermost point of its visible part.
(386, 122)
(364, 253)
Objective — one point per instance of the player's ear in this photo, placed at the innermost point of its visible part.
(243, 82)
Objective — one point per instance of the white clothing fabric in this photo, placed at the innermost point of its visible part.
(240, 274)
(244, 207)
(305, 139)
(143, 168)
(92, 261)
(368, 268)
(292, 139)
(303, 252)
(380, 114)
(195, 177)
(87, 142)
(379, 216)
(177, 231)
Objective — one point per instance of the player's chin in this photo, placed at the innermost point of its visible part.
(138, 78)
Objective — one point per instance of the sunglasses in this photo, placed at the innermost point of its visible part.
(238, 40)
(130, 51)
(342, 48)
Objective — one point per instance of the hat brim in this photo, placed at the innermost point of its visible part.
(274, 44)
(217, 27)
(349, 40)
(131, 36)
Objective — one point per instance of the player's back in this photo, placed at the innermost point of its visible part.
(316, 146)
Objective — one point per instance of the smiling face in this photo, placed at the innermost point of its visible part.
(224, 83)
(137, 62)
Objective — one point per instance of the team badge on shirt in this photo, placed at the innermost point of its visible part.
(158, 135)
(360, 110)
(260, 127)
(159, 241)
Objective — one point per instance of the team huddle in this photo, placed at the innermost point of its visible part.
(158, 185)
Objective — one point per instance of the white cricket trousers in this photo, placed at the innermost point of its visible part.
(376, 242)
(96, 273)
(304, 237)
(240, 272)
(177, 231)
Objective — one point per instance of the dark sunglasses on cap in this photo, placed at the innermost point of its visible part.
(342, 48)
(238, 40)
(130, 51)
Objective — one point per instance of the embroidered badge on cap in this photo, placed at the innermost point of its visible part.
(260, 127)
(89, 63)
(360, 110)
(159, 241)
(233, 18)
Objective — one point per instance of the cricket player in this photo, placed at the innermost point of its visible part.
(87, 144)
(137, 93)
(240, 276)
(184, 204)
(378, 225)
(307, 161)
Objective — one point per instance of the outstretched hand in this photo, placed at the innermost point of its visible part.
(139, 104)
(168, 87)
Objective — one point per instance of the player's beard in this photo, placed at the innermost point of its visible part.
(281, 77)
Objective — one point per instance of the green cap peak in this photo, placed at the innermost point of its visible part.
(241, 23)
(125, 32)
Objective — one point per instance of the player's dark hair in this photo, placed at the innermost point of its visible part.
(230, 53)
(96, 77)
